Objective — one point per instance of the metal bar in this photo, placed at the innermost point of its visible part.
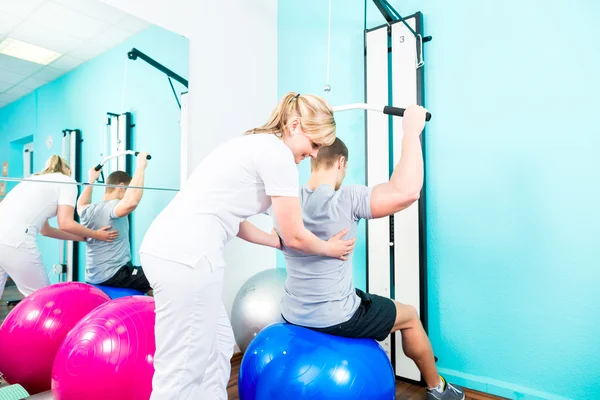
(175, 93)
(122, 153)
(66, 154)
(3, 178)
(384, 11)
(71, 260)
(389, 110)
(135, 53)
(126, 134)
(114, 143)
(390, 14)
(124, 141)
(358, 106)
(65, 149)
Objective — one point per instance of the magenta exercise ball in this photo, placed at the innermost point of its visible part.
(109, 354)
(33, 331)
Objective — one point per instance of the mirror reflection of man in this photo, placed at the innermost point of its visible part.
(109, 264)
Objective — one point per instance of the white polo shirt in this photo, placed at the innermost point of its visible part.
(29, 204)
(234, 182)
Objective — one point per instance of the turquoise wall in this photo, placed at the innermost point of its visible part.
(513, 179)
(17, 124)
(81, 99)
(15, 158)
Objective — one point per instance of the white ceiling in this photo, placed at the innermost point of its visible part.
(78, 29)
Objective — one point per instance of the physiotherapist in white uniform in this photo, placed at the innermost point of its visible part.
(182, 251)
(24, 213)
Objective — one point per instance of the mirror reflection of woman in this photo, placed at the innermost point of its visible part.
(24, 213)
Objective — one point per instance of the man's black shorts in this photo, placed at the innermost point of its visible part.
(374, 318)
(131, 277)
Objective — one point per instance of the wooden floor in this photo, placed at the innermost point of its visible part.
(404, 391)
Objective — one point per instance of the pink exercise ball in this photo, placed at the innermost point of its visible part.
(109, 354)
(33, 331)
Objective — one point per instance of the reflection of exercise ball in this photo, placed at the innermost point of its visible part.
(287, 361)
(257, 305)
(34, 330)
(116, 292)
(109, 354)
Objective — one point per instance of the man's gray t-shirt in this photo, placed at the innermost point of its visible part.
(319, 291)
(104, 259)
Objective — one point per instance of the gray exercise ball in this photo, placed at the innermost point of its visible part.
(257, 305)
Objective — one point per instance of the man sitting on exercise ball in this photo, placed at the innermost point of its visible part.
(319, 293)
(109, 263)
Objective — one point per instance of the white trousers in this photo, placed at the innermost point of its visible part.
(25, 267)
(194, 339)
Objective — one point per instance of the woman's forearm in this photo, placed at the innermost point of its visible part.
(288, 217)
(307, 242)
(77, 229)
(62, 235)
(252, 234)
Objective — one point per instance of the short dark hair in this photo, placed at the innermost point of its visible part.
(116, 178)
(328, 155)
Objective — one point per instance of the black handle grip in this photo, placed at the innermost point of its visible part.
(399, 112)
(98, 167)
(148, 157)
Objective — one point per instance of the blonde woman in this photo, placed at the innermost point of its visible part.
(24, 213)
(182, 251)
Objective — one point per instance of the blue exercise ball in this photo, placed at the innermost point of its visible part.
(115, 292)
(293, 362)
